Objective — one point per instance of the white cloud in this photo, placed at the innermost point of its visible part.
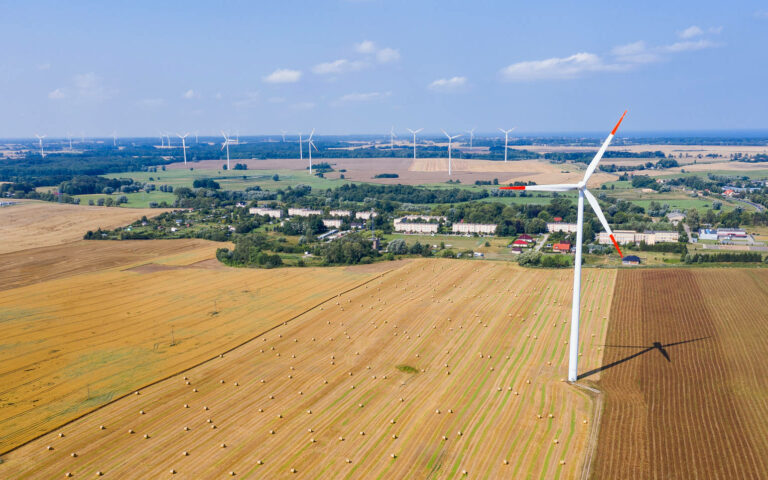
(715, 30)
(57, 94)
(635, 52)
(366, 46)
(152, 102)
(448, 84)
(303, 106)
(688, 45)
(218, 96)
(555, 68)
(249, 99)
(690, 32)
(386, 55)
(338, 66)
(276, 100)
(189, 94)
(363, 97)
(44, 66)
(283, 75)
(88, 85)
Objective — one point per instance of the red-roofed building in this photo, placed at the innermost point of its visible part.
(526, 238)
(561, 247)
(558, 219)
(520, 243)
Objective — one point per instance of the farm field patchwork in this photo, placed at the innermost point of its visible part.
(427, 371)
(98, 319)
(684, 376)
(32, 224)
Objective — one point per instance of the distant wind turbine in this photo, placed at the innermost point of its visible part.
(283, 132)
(227, 141)
(310, 146)
(581, 187)
(196, 142)
(69, 137)
(414, 132)
(450, 140)
(40, 139)
(392, 138)
(114, 139)
(183, 145)
(471, 136)
(506, 140)
(162, 140)
(301, 148)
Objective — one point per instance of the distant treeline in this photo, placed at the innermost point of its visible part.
(727, 257)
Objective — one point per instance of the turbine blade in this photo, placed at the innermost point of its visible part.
(417, 131)
(558, 187)
(445, 133)
(599, 212)
(599, 154)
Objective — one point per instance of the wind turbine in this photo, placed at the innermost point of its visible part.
(581, 187)
(301, 148)
(471, 136)
(227, 141)
(283, 132)
(114, 138)
(450, 140)
(311, 145)
(40, 139)
(184, 146)
(506, 141)
(162, 140)
(414, 132)
(196, 142)
(392, 138)
(69, 137)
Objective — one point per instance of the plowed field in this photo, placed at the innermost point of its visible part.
(430, 370)
(685, 376)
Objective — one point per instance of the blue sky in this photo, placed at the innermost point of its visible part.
(362, 66)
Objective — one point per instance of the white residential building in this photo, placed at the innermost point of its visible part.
(365, 215)
(562, 227)
(339, 213)
(630, 236)
(479, 228)
(270, 212)
(332, 222)
(303, 212)
(406, 227)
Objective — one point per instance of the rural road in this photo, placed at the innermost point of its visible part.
(543, 241)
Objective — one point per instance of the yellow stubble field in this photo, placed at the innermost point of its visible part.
(431, 370)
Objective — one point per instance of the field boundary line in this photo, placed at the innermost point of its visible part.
(589, 454)
(199, 364)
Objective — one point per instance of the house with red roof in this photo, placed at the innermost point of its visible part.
(561, 247)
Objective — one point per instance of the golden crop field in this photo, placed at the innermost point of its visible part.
(32, 224)
(96, 320)
(437, 369)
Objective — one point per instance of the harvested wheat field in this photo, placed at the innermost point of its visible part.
(440, 368)
(684, 377)
(97, 331)
(32, 224)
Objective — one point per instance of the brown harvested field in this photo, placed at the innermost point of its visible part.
(481, 351)
(83, 256)
(95, 326)
(32, 224)
(706, 167)
(426, 170)
(694, 404)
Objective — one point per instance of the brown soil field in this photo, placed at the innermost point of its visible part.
(94, 327)
(706, 167)
(83, 256)
(684, 377)
(427, 170)
(427, 371)
(33, 224)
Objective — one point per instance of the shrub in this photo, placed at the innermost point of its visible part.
(529, 259)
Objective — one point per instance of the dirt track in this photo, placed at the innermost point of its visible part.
(486, 340)
(694, 404)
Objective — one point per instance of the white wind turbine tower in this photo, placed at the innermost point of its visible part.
(506, 140)
(310, 146)
(283, 132)
(69, 137)
(114, 139)
(184, 146)
(471, 136)
(581, 187)
(450, 140)
(226, 143)
(392, 138)
(162, 140)
(301, 148)
(40, 139)
(196, 132)
(414, 132)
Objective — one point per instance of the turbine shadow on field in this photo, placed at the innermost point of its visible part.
(661, 347)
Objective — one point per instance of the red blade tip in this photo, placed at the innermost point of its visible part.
(615, 244)
(513, 187)
(613, 132)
